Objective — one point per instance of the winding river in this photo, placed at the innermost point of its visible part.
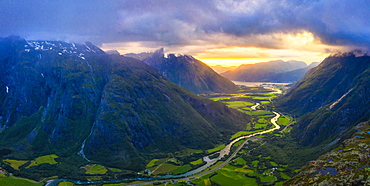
(196, 173)
(193, 174)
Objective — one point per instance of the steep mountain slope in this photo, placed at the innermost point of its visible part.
(188, 72)
(330, 99)
(67, 98)
(260, 72)
(346, 165)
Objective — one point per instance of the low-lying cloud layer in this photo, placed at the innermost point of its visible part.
(175, 23)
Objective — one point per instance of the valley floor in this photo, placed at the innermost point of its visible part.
(225, 164)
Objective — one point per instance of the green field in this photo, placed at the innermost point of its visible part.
(259, 126)
(262, 120)
(279, 183)
(238, 104)
(259, 112)
(268, 178)
(15, 164)
(283, 121)
(181, 169)
(203, 181)
(232, 178)
(284, 176)
(95, 169)
(165, 168)
(14, 181)
(43, 159)
(240, 161)
(152, 163)
(216, 149)
(197, 162)
(115, 170)
(273, 164)
(265, 102)
(238, 143)
(255, 163)
(243, 133)
(66, 183)
(219, 98)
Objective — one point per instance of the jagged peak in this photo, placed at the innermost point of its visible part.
(62, 47)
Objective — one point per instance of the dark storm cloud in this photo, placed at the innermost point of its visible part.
(180, 22)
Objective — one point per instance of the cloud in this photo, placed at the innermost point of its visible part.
(191, 22)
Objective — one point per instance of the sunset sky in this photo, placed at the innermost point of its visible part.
(225, 32)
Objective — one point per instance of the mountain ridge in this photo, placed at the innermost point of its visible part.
(188, 72)
(330, 99)
(108, 109)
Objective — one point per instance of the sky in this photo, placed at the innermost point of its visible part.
(224, 32)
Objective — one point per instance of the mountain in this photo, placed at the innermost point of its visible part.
(188, 72)
(262, 72)
(330, 99)
(344, 165)
(290, 76)
(221, 69)
(75, 100)
(141, 56)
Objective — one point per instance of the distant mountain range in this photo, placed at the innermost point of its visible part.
(221, 69)
(84, 105)
(187, 72)
(330, 99)
(273, 71)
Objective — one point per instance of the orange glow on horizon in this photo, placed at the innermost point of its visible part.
(301, 46)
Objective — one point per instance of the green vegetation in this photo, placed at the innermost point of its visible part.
(50, 159)
(255, 163)
(268, 178)
(259, 112)
(238, 104)
(66, 183)
(164, 168)
(152, 163)
(14, 181)
(240, 161)
(283, 121)
(181, 169)
(95, 169)
(238, 143)
(262, 120)
(243, 133)
(259, 126)
(197, 162)
(226, 178)
(216, 149)
(15, 164)
(220, 98)
(203, 181)
(115, 170)
(274, 164)
(284, 176)
(265, 102)
(279, 183)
